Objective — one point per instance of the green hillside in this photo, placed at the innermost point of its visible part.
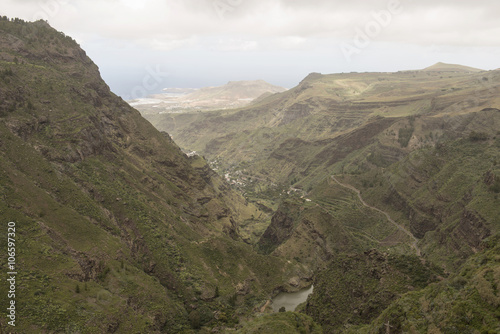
(468, 302)
(116, 229)
(353, 290)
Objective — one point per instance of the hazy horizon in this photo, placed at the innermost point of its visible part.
(143, 46)
(295, 84)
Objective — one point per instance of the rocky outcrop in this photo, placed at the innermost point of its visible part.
(280, 229)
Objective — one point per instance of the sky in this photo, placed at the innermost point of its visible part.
(143, 46)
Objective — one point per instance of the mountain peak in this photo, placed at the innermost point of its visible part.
(444, 67)
(312, 76)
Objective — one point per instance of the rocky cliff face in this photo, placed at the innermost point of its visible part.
(281, 228)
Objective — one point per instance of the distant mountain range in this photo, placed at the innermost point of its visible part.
(234, 94)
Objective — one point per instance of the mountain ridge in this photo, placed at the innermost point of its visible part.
(117, 229)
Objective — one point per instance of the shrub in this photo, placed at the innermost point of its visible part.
(496, 186)
(195, 319)
(478, 136)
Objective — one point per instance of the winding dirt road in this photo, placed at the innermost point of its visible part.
(414, 244)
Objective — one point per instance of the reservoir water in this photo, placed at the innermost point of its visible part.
(290, 300)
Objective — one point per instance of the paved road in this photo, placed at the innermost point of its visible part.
(400, 227)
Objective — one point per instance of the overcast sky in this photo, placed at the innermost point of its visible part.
(142, 46)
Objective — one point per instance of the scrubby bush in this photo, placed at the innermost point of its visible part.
(496, 186)
(478, 136)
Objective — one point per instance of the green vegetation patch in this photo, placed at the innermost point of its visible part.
(355, 289)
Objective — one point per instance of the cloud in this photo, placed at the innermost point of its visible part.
(166, 24)
(234, 44)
